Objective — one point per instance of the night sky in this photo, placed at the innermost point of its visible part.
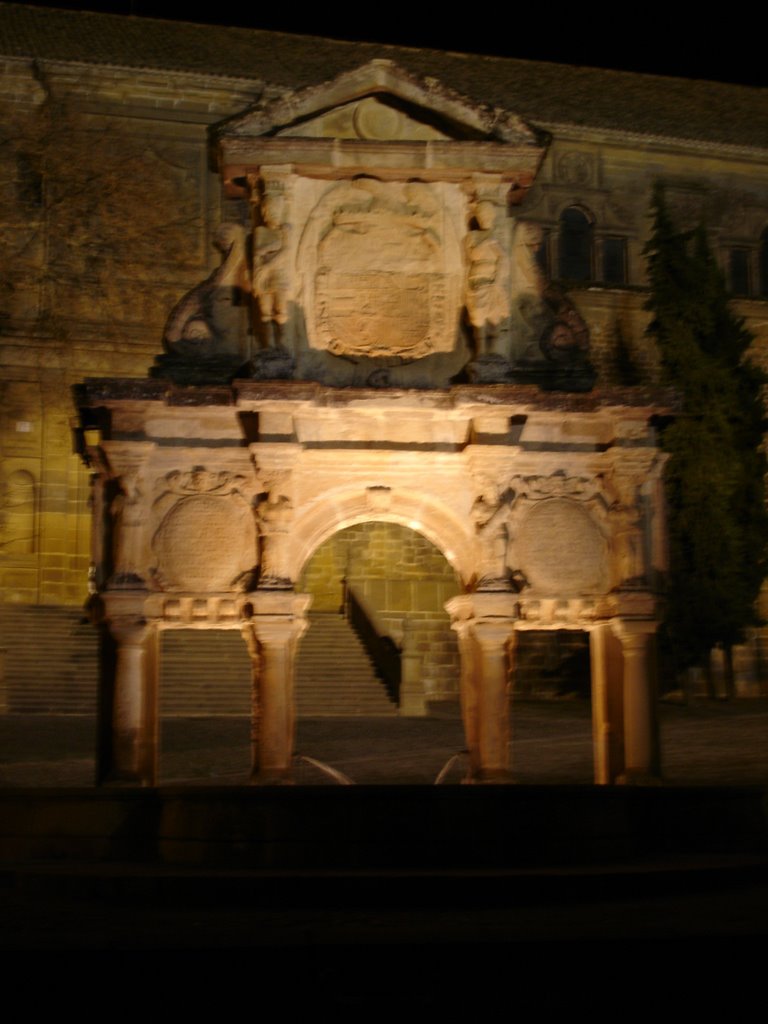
(720, 45)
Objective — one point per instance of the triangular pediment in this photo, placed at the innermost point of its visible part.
(380, 101)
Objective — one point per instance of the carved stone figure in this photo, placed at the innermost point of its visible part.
(270, 276)
(127, 531)
(628, 543)
(526, 244)
(490, 516)
(487, 287)
(209, 321)
(567, 341)
(275, 512)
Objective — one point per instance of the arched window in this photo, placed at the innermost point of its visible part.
(575, 245)
(17, 514)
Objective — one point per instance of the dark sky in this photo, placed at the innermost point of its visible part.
(634, 37)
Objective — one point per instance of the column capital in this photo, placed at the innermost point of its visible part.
(123, 612)
(490, 604)
(493, 634)
(633, 633)
(276, 630)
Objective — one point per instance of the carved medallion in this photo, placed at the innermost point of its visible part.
(575, 168)
(205, 543)
(561, 549)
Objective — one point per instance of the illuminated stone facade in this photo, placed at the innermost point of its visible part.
(216, 481)
(388, 231)
(611, 135)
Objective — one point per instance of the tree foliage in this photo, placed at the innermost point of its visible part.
(715, 476)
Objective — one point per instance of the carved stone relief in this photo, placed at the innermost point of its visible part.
(271, 254)
(128, 517)
(206, 537)
(487, 292)
(575, 168)
(560, 548)
(210, 321)
(382, 253)
(381, 269)
(367, 118)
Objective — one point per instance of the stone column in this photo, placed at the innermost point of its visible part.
(460, 610)
(272, 634)
(131, 752)
(492, 637)
(641, 734)
(485, 624)
(606, 663)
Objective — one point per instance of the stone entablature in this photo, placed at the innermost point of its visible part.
(554, 493)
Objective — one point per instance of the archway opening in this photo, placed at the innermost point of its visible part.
(204, 706)
(551, 707)
(379, 664)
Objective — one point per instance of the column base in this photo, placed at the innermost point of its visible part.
(638, 777)
(271, 777)
(124, 781)
(491, 777)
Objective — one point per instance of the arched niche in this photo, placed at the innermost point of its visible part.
(18, 532)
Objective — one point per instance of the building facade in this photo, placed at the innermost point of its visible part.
(130, 160)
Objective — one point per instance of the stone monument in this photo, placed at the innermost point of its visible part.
(379, 327)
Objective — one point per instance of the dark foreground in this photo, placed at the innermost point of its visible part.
(378, 894)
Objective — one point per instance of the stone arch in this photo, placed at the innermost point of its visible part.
(347, 507)
(391, 584)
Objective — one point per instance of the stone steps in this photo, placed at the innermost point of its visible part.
(334, 675)
(51, 667)
(204, 673)
(51, 660)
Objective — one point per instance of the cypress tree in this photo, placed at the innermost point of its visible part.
(715, 476)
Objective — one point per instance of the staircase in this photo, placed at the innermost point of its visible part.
(204, 673)
(51, 667)
(334, 675)
(51, 660)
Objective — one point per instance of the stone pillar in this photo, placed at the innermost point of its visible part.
(607, 668)
(272, 633)
(492, 637)
(130, 753)
(641, 732)
(485, 624)
(460, 609)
